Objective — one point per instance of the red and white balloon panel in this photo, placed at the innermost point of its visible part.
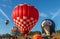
(25, 17)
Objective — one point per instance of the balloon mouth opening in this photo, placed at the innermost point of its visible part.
(25, 32)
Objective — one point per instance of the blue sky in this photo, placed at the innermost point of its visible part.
(48, 9)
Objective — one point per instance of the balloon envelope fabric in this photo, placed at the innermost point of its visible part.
(25, 17)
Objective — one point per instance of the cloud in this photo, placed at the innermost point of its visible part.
(4, 14)
(4, 5)
(51, 13)
(43, 15)
(56, 14)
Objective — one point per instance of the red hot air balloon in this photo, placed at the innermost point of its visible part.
(25, 17)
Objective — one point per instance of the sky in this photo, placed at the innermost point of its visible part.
(48, 9)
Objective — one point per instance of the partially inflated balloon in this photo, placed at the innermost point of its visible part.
(37, 36)
(25, 17)
(14, 29)
(48, 27)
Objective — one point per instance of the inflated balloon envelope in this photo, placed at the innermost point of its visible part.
(48, 27)
(6, 22)
(25, 17)
(14, 29)
(37, 36)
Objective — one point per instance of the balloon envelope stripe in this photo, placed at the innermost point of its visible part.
(21, 12)
(25, 10)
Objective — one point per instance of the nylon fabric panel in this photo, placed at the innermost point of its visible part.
(21, 12)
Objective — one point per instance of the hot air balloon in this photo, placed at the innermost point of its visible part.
(37, 36)
(6, 22)
(48, 27)
(14, 29)
(25, 17)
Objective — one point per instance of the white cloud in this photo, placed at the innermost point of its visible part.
(56, 14)
(51, 13)
(4, 14)
(43, 15)
(4, 5)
